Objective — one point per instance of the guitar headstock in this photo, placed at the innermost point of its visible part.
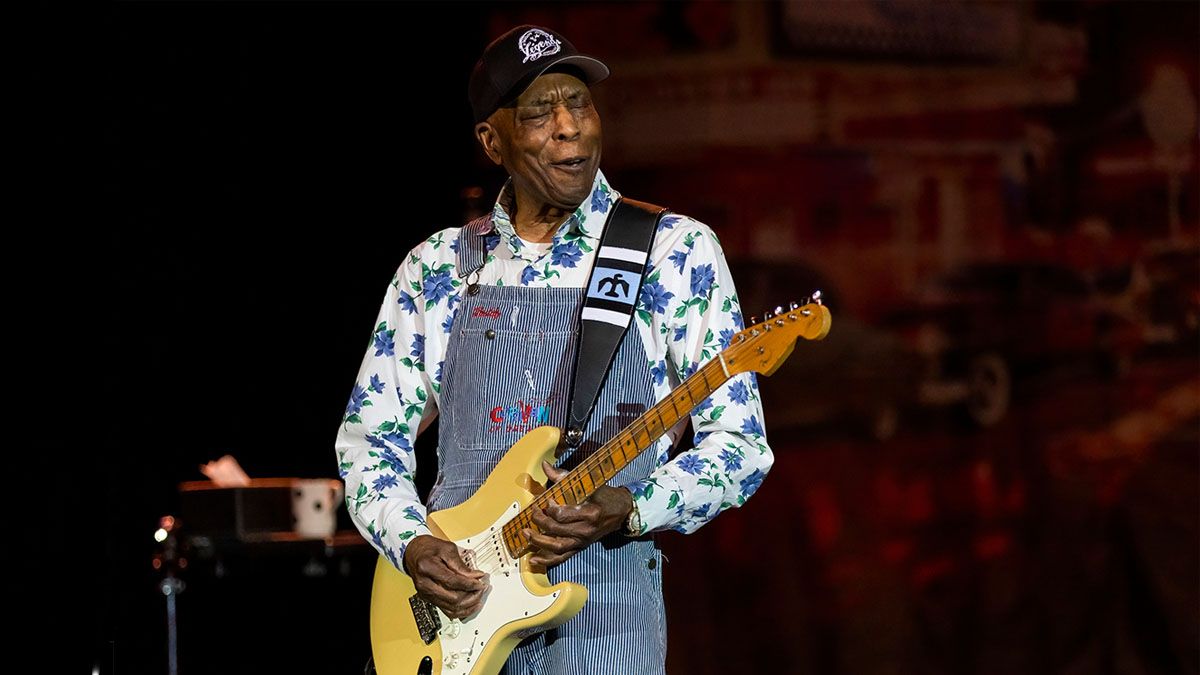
(763, 346)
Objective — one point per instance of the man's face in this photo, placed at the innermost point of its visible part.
(549, 142)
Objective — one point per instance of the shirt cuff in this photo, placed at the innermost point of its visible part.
(657, 498)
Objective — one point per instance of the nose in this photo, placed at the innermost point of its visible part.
(566, 127)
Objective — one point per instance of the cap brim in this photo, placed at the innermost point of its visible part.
(594, 71)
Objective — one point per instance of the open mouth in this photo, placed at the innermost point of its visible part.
(571, 163)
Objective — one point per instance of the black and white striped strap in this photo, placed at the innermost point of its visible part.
(609, 302)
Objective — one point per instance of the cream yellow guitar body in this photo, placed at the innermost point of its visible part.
(520, 602)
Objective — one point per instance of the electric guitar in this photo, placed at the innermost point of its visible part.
(411, 636)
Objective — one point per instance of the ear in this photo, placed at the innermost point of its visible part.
(489, 138)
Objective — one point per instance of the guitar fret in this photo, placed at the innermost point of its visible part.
(687, 390)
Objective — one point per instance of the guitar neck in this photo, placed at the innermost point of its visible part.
(603, 464)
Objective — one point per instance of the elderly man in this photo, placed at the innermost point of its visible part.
(491, 349)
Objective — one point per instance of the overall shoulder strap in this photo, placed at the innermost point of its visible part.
(472, 248)
(609, 301)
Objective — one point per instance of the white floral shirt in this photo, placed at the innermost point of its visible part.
(687, 313)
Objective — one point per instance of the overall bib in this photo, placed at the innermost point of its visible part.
(508, 370)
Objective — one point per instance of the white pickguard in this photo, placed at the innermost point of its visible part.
(507, 600)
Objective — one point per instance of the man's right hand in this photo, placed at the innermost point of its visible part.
(441, 576)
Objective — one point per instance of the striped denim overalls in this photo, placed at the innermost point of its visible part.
(507, 370)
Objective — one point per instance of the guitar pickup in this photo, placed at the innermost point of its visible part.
(426, 617)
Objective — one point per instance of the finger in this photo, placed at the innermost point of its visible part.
(446, 600)
(548, 524)
(552, 473)
(546, 559)
(445, 576)
(453, 560)
(462, 583)
(465, 605)
(474, 604)
(553, 544)
(573, 513)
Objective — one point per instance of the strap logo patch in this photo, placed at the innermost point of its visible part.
(613, 284)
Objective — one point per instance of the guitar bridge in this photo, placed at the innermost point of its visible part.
(426, 616)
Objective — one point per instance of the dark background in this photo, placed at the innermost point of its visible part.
(266, 167)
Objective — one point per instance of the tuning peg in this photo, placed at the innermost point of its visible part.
(767, 315)
(753, 320)
(778, 310)
(816, 296)
(793, 305)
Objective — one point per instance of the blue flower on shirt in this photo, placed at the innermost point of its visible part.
(384, 481)
(679, 258)
(376, 384)
(667, 222)
(528, 274)
(397, 439)
(731, 459)
(436, 286)
(418, 346)
(357, 396)
(739, 392)
(654, 297)
(566, 254)
(751, 483)
(412, 513)
(600, 199)
(388, 459)
(491, 240)
(385, 342)
(680, 333)
(726, 337)
(702, 279)
(448, 322)
(658, 371)
(704, 405)
(406, 303)
(752, 426)
(692, 464)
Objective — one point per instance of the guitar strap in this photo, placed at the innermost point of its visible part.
(609, 300)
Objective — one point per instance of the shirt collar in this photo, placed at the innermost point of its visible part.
(587, 221)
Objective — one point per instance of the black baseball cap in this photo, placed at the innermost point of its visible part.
(514, 60)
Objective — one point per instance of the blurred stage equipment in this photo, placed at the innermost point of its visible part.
(265, 509)
(169, 559)
(234, 540)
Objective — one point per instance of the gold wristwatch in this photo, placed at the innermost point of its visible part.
(633, 522)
